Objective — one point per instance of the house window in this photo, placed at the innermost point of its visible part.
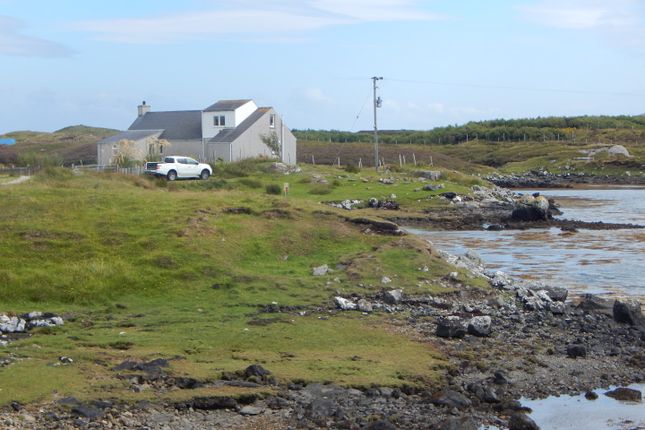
(272, 120)
(115, 149)
(219, 120)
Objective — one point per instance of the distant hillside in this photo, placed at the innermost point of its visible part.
(585, 129)
(69, 145)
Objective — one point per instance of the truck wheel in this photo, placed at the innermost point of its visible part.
(172, 175)
(205, 174)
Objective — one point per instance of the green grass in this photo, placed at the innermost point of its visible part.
(142, 269)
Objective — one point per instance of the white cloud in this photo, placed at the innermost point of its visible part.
(14, 42)
(620, 15)
(316, 95)
(253, 18)
(375, 10)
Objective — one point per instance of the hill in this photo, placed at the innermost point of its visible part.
(69, 145)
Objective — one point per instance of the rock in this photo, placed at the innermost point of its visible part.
(256, 370)
(557, 308)
(628, 312)
(320, 270)
(576, 350)
(381, 425)
(500, 378)
(474, 257)
(618, 150)
(557, 294)
(519, 421)
(278, 167)
(451, 399)
(385, 280)
(501, 280)
(625, 394)
(450, 327)
(483, 392)
(431, 187)
(480, 326)
(86, 411)
(250, 411)
(457, 423)
(364, 306)
(590, 395)
(11, 324)
(344, 304)
(321, 409)
(387, 181)
(393, 297)
(594, 303)
(449, 195)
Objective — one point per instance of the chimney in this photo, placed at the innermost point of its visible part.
(143, 108)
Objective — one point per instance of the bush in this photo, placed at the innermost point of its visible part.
(273, 189)
(251, 183)
(352, 168)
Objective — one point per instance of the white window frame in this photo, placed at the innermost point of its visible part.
(219, 121)
(272, 120)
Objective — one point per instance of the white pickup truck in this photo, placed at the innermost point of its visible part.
(177, 166)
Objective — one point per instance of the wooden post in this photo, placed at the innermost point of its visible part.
(360, 163)
(431, 161)
(414, 158)
(404, 163)
(313, 159)
(400, 161)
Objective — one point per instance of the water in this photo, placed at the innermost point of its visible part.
(589, 261)
(604, 413)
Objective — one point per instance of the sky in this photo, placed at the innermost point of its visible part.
(443, 62)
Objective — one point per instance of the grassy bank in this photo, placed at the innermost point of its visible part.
(141, 269)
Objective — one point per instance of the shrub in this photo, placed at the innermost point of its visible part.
(273, 189)
(352, 168)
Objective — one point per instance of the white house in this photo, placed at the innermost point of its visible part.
(228, 130)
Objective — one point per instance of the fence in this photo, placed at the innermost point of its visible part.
(29, 171)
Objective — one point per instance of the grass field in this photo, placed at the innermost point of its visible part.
(141, 269)
(482, 157)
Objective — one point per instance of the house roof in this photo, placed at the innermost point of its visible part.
(184, 124)
(226, 105)
(228, 135)
(131, 135)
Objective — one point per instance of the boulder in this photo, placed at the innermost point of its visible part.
(364, 306)
(381, 425)
(320, 270)
(558, 294)
(483, 392)
(449, 195)
(12, 324)
(451, 399)
(557, 308)
(393, 297)
(480, 326)
(576, 350)
(501, 280)
(256, 370)
(250, 411)
(344, 304)
(278, 167)
(457, 423)
(628, 312)
(385, 280)
(618, 150)
(625, 394)
(520, 421)
(450, 327)
(594, 303)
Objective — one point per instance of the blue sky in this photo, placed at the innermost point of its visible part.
(66, 62)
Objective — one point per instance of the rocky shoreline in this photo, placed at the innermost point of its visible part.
(543, 179)
(518, 339)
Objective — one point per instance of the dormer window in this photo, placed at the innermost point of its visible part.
(272, 120)
(219, 121)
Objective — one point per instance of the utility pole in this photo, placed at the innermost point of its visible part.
(377, 104)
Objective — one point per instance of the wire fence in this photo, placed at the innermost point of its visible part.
(32, 170)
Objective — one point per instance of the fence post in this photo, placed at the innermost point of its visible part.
(360, 163)
(431, 161)
(400, 161)
(404, 163)
(414, 158)
(313, 159)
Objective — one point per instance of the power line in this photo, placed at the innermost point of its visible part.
(360, 111)
(508, 87)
